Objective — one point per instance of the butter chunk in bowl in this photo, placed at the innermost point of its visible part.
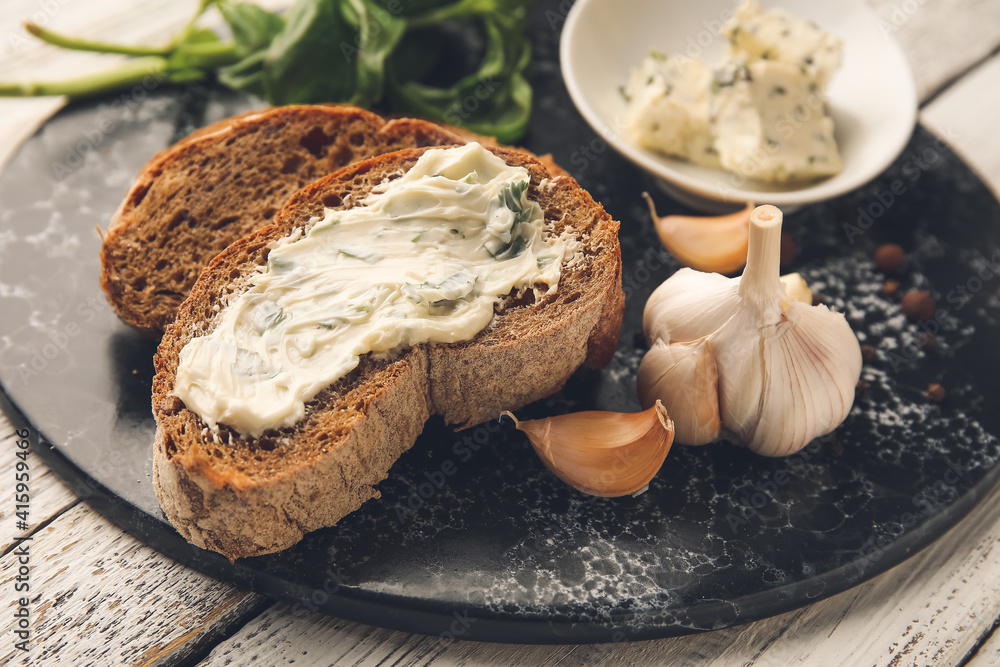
(637, 70)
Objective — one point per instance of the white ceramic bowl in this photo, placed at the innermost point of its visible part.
(872, 97)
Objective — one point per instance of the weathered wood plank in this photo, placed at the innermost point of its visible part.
(988, 654)
(48, 495)
(967, 113)
(100, 597)
(932, 609)
(317, 639)
(941, 38)
(23, 57)
(26, 58)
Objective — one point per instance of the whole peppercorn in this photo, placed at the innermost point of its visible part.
(787, 252)
(918, 305)
(935, 392)
(868, 354)
(860, 389)
(889, 257)
(890, 287)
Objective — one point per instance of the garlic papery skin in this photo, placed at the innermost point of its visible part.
(690, 305)
(706, 243)
(683, 375)
(811, 373)
(786, 370)
(602, 453)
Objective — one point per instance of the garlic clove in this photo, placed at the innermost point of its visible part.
(795, 288)
(690, 305)
(684, 377)
(602, 453)
(813, 363)
(705, 243)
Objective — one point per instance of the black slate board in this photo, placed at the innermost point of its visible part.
(473, 537)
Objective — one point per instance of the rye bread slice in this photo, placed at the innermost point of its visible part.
(225, 181)
(250, 497)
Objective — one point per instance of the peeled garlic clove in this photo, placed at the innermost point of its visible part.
(602, 453)
(795, 288)
(706, 243)
(683, 376)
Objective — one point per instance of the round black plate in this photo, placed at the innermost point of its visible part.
(472, 536)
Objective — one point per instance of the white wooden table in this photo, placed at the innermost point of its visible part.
(100, 597)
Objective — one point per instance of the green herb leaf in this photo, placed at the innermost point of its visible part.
(253, 28)
(494, 100)
(364, 52)
(363, 255)
(378, 33)
(511, 197)
(306, 62)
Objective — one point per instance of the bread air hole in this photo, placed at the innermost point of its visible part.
(225, 222)
(178, 217)
(169, 447)
(316, 141)
(341, 156)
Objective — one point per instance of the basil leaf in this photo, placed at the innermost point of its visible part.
(378, 32)
(410, 8)
(306, 62)
(246, 75)
(495, 100)
(253, 31)
(253, 28)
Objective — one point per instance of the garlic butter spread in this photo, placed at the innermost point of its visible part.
(424, 258)
(762, 114)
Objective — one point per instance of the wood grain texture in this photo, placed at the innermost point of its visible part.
(100, 597)
(988, 654)
(283, 635)
(941, 38)
(49, 496)
(966, 117)
(932, 609)
(24, 58)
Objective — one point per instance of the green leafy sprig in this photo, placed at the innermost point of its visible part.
(364, 52)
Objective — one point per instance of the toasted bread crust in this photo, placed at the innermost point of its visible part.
(245, 498)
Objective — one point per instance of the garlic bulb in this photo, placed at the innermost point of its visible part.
(706, 243)
(602, 453)
(784, 374)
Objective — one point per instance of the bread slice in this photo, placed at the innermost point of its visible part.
(250, 497)
(225, 181)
